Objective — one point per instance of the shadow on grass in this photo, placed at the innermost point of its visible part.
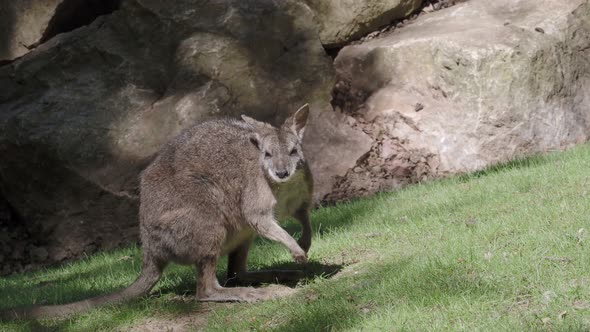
(69, 285)
(531, 161)
(164, 301)
(110, 318)
(311, 270)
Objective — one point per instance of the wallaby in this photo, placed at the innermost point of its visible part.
(207, 194)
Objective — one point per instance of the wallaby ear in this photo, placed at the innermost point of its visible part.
(255, 140)
(252, 122)
(299, 120)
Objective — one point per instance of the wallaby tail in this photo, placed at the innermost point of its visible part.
(150, 274)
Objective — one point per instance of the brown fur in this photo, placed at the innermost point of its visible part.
(207, 194)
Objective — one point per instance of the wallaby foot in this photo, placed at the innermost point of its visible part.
(209, 290)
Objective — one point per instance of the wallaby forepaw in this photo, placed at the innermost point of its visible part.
(300, 258)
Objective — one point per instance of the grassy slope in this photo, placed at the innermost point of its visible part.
(505, 249)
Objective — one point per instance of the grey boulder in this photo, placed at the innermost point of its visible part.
(480, 83)
(82, 114)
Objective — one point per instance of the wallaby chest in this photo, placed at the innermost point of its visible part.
(237, 238)
(291, 195)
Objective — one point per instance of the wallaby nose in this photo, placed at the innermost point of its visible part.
(282, 174)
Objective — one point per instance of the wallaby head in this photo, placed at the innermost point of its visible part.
(280, 148)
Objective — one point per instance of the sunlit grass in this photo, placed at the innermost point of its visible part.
(503, 249)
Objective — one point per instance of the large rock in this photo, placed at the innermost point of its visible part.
(477, 84)
(22, 24)
(82, 114)
(340, 21)
(26, 23)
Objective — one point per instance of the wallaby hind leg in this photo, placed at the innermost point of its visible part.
(238, 274)
(209, 290)
(151, 271)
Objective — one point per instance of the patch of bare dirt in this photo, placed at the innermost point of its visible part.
(191, 321)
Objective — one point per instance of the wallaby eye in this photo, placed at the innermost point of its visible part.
(294, 152)
(267, 154)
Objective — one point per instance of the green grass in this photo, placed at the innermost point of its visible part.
(505, 249)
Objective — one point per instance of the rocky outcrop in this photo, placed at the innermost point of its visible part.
(341, 21)
(82, 114)
(450, 91)
(24, 24)
(466, 87)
